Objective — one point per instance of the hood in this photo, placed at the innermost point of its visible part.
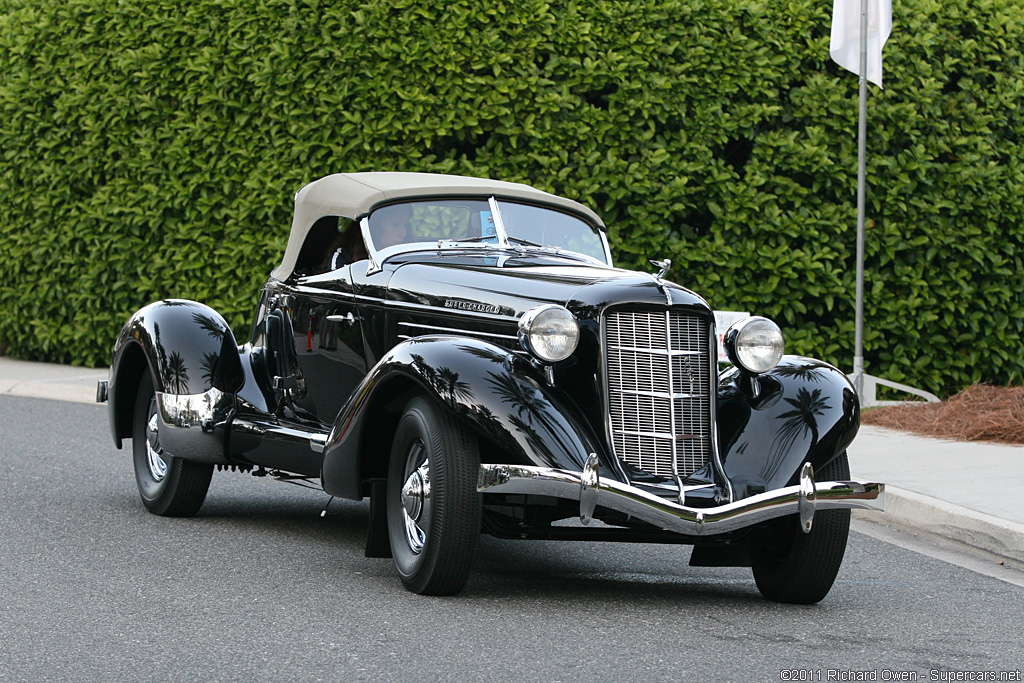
(508, 286)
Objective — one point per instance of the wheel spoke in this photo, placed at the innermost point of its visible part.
(414, 536)
(157, 465)
(154, 453)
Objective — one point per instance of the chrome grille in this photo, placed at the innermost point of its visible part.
(659, 390)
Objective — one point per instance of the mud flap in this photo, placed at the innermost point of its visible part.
(377, 542)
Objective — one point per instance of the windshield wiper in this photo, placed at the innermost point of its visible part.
(520, 240)
(478, 238)
(484, 238)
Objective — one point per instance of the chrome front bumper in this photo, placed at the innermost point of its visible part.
(593, 491)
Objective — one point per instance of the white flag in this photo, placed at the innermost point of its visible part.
(845, 45)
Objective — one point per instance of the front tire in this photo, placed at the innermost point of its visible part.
(433, 507)
(794, 567)
(169, 486)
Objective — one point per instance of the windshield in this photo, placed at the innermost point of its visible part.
(451, 222)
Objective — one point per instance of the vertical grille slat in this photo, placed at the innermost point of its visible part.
(659, 390)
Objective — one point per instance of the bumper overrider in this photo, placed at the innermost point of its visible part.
(593, 491)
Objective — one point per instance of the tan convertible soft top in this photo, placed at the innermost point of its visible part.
(354, 195)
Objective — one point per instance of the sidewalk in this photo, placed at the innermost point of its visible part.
(972, 493)
(46, 380)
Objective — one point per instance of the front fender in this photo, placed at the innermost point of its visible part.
(191, 355)
(803, 410)
(502, 398)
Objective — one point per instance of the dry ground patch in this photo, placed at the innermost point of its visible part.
(978, 413)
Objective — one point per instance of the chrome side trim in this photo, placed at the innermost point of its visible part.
(665, 514)
(187, 423)
(522, 353)
(411, 308)
(435, 329)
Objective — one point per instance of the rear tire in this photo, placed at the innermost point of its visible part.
(433, 507)
(169, 486)
(794, 567)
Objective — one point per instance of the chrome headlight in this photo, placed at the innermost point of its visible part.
(755, 344)
(549, 332)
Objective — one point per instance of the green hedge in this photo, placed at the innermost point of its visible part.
(151, 149)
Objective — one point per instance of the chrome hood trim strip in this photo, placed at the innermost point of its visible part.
(803, 499)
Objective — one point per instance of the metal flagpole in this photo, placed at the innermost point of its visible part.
(862, 138)
(864, 383)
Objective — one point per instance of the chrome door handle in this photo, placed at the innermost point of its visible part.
(349, 318)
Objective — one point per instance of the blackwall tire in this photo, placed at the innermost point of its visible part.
(433, 507)
(793, 567)
(169, 487)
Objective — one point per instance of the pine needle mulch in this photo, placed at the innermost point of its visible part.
(978, 413)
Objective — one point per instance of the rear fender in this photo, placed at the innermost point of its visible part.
(803, 410)
(502, 398)
(191, 355)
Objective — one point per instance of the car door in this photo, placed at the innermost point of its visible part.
(307, 358)
(327, 342)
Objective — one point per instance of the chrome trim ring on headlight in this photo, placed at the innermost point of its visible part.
(755, 344)
(550, 332)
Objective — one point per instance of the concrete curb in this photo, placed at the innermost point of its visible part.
(55, 391)
(937, 517)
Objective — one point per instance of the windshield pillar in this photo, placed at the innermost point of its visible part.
(499, 225)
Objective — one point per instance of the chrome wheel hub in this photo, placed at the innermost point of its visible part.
(412, 495)
(416, 499)
(154, 453)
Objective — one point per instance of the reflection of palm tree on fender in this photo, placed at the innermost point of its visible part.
(444, 380)
(209, 324)
(176, 374)
(209, 366)
(531, 405)
(532, 437)
(808, 406)
(806, 371)
(447, 383)
(526, 402)
(424, 368)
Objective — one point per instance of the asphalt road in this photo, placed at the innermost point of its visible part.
(260, 587)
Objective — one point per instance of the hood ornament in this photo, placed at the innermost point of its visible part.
(663, 267)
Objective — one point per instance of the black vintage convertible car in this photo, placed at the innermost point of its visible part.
(462, 352)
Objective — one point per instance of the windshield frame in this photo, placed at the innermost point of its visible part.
(377, 257)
